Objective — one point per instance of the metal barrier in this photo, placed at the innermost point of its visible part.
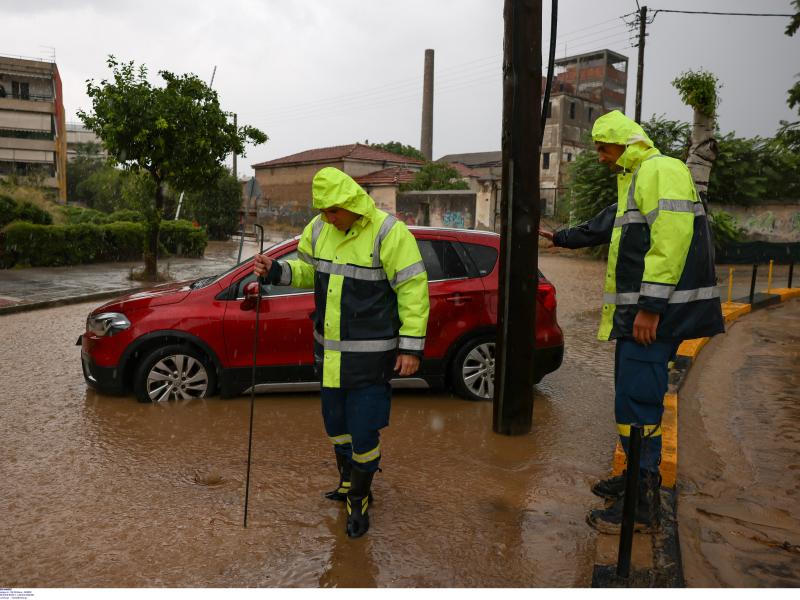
(630, 501)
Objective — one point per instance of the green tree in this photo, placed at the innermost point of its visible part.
(177, 134)
(435, 176)
(84, 165)
(789, 132)
(217, 207)
(400, 148)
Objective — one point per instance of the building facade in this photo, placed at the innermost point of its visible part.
(33, 141)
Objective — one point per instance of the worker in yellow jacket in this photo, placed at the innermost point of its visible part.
(660, 289)
(371, 300)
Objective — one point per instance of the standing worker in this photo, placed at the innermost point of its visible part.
(660, 289)
(371, 300)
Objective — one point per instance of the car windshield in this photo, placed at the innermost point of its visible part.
(206, 281)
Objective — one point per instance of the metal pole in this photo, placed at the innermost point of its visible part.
(769, 277)
(753, 283)
(253, 388)
(522, 87)
(791, 272)
(235, 128)
(630, 501)
(640, 68)
(730, 286)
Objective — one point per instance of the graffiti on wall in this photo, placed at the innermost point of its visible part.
(453, 219)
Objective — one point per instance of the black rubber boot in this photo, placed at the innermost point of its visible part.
(344, 466)
(611, 488)
(358, 503)
(647, 518)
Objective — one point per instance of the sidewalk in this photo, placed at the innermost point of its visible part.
(42, 287)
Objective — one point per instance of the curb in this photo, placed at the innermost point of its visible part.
(18, 308)
(666, 569)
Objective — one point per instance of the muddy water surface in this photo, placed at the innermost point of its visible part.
(103, 491)
(739, 469)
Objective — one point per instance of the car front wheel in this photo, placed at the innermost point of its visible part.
(174, 372)
(473, 369)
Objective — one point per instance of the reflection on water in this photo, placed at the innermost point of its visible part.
(102, 491)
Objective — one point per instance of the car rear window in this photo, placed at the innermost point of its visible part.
(441, 260)
(484, 257)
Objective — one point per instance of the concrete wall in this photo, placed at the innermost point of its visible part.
(447, 208)
(767, 222)
(385, 197)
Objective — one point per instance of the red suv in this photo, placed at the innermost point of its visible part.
(188, 340)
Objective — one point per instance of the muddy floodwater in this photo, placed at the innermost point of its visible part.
(104, 491)
(739, 468)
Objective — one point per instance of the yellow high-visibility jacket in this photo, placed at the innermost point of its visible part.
(370, 286)
(661, 256)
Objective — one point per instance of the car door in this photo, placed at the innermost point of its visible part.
(456, 298)
(285, 332)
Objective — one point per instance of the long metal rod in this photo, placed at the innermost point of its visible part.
(630, 501)
(550, 67)
(253, 385)
(640, 64)
(753, 283)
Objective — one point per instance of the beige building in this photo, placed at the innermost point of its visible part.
(77, 134)
(286, 182)
(32, 127)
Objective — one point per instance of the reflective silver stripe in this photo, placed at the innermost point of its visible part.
(356, 345)
(382, 233)
(683, 296)
(306, 258)
(656, 291)
(367, 456)
(632, 216)
(407, 273)
(351, 271)
(316, 229)
(341, 439)
(688, 206)
(412, 343)
(286, 273)
(676, 297)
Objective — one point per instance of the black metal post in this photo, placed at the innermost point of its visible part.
(630, 501)
(640, 65)
(516, 322)
(753, 283)
(791, 273)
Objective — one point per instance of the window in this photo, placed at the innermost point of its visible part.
(569, 157)
(545, 160)
(549, 110)
(20, 89)
(441, 260)
(272, 290)
(484, 257)
(571, 110)
(590, 112)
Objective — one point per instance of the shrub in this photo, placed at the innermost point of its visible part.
(126, 214)
(182, 238)
(11, 210)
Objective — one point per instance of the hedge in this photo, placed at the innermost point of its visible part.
(28, 244)
(11, 210)
(76, 215)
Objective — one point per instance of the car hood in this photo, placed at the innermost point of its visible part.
(168, 293)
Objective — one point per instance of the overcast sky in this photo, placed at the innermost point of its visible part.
(316, 73)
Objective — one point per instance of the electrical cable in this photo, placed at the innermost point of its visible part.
(550, 64)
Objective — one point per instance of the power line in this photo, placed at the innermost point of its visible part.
(728, 14)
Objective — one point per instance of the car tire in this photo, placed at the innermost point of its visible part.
(174, 372)
(472, 371)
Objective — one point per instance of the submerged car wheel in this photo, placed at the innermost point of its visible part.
(473, 369)
(174, 373)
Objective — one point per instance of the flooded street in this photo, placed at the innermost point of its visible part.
(739, 497)
(104, 491)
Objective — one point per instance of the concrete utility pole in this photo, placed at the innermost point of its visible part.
(235, 126)
(426, 142)
(640, 68)
(519, 259)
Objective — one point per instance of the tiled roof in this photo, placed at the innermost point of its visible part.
(464, 170)
(351, 151)
(390, 176)
(474, 159)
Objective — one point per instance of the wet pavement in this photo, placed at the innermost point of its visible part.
(105, 492)
(739, 469)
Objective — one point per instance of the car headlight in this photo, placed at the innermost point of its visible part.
(107, 323)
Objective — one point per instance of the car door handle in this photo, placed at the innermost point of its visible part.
(457, 300)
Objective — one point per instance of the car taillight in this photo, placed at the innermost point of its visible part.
(546, 294)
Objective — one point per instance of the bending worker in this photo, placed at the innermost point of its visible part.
(371, 300)
(660, 289)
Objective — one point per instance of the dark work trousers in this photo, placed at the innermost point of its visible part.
(353, 418)
(641, 375)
